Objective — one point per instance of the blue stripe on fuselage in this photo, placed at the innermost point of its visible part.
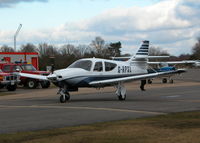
(83, 81)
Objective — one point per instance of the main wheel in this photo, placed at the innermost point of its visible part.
(45, 84)
(31, 83)
(149, 81)
(120, 97)
(164, 80)
(64, 99)
(12, 87)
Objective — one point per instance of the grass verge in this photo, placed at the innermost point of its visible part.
(172, 128)
(5, 93)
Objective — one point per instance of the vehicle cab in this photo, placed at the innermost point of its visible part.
(23, 67)
(8, 81)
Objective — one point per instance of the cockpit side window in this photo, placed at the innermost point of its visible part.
(98, 67)
(109, 66)
(83, 64)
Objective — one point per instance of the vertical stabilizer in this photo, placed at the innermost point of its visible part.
(142, 52)
(140, 59)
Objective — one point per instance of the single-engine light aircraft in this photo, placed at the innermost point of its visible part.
(97, 73)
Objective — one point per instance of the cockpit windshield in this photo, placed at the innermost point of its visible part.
(83, 64)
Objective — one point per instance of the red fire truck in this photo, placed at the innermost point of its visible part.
(8, 81)
(12, 57)
(13, 61)
(25, 68)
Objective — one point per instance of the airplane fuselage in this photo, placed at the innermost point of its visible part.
(84, 71)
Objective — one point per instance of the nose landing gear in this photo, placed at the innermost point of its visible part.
(64, 95)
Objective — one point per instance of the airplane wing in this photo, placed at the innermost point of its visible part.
(174, 62)
(35, 76)
(134, 78)
(149, 57)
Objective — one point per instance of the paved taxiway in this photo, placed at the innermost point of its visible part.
(28, 110)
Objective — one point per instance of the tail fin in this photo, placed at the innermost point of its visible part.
(142, 52)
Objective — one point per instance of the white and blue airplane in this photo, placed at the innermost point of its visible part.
(98, 73)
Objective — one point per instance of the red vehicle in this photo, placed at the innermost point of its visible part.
(8, 81)
(26, 68)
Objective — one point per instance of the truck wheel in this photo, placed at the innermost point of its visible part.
(11, 87)
(45, 84)
(31, 83)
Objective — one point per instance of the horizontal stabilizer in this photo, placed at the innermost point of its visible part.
(158, 57)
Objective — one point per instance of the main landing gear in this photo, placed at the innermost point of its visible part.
(121, 91)
(64, 95)
(164, 80)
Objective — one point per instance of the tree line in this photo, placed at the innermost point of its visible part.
(64, 55)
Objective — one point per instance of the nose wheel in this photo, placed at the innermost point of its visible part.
(122, 97)
(64, 96)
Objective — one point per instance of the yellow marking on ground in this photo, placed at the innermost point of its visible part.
(85, 108)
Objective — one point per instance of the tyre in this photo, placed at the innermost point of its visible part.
(32, 84)
(45, 84)
(121, 98)
(164, 80)
(63, 100)
(11, 87)
(149, 81)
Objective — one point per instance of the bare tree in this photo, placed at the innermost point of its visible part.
(83, 50)
(157, 51)
(28, 48)
(47, 50)
(98, 44)
(196, 50)
(5, 48)
(68, 49)
(42, 48)
(49, 55)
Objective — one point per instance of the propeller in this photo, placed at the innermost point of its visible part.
(52, 77)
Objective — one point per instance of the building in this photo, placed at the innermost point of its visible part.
(12, 57)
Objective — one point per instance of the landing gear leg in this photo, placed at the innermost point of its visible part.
(64, 95)
(171, 81)
(121, 91)
(143, 83)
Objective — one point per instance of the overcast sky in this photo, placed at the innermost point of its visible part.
(172, 25)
